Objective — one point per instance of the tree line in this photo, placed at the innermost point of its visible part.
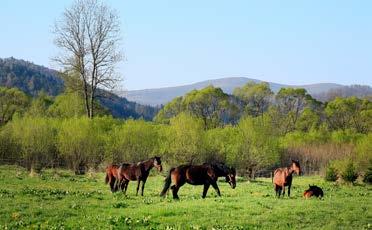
(253, 129)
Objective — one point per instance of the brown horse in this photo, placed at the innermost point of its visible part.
(112, 176)
(206, 174)
(313, 191)
(283, 177)
(137, 172)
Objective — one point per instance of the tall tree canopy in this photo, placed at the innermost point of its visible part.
(12, 100)
(256, 97)
(209, 104)
(88, 35)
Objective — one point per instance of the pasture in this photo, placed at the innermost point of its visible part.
(57, 199)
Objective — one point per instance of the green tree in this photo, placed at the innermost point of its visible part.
(67, 105)
(37, 139)
(223, 144)
(170, 110)
(208, 104)
(308, 119)
(349, 113)
(290, 103)
(39, 105)
(184, 140)
(364, 153)
(256, 97)
(12, 101)
(133, 141)
(259, 147)
(81, 143)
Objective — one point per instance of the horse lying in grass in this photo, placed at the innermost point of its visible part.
(313, 191)
(137, 172)
(206, 174)
(283, 177)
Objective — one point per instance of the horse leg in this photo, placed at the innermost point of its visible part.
(138, 185)
(283, 187)
(126, 182)
(289, 190)
(143, 187)
(279, 189)
(215, 186)
(113, 185)
(276, 188)
(205, 190)
(175, 189)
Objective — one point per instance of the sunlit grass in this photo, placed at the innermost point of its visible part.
(58, 199)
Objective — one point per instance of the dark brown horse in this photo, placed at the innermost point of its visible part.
(313, 191)
(206, 174)
(112, 176)
(137, 172)
(283, 177)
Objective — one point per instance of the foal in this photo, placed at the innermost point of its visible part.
(283, 177)
(137, 172)
(112, 176)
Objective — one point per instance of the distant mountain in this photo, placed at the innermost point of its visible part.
(28, 77)
(33, 79)
(163, 95)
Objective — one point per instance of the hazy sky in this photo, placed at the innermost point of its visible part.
(168, 43)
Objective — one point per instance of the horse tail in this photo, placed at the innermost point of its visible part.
(272, 175)
(107, 178)
(167, 183)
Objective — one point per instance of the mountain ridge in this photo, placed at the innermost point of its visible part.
(33, 79)
(158, 96)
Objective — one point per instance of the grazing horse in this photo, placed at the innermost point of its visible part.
(112, 176)
(206, 174)
(283, 177)
(137, 172)
(313, 191)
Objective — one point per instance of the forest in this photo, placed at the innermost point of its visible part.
(253, 130)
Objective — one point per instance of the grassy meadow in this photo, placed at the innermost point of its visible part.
(57, 199)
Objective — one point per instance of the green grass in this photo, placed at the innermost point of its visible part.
(61, 200)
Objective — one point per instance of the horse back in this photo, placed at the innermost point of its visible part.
(199, 174)
(281, 177)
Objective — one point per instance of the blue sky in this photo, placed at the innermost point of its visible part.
(168, 43)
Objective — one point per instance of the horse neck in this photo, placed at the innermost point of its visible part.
(148, 165)
(220, 171)
(290, 170)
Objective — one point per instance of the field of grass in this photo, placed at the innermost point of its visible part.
(57, 199)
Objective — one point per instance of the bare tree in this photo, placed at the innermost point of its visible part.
(88, 34)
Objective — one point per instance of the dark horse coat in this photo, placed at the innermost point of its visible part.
(313, 191)
(205, 174)
(137, 172)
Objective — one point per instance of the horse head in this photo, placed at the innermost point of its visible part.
(296, 167)
(157, 164)
(230, 177)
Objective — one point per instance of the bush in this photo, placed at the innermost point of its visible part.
(134, 140)
(349, 174)
(81, 143)
(331, 174)
(37, 140)
(368, 175)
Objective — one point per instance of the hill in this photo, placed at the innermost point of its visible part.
(32, 79)
(163, 95)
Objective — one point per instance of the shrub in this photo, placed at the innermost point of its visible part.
(368, 175)
(331, 174)
(349, 173)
